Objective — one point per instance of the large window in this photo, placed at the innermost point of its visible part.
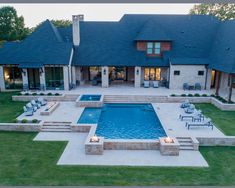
(153, 48)
(54, 78)
(152, 74)
(94, 73)
(13, 78)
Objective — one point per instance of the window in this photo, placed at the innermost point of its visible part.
(200, 73)
(13, 78)
(94, 73)
(177, 72)
(54, 78)
(153, 47)
(152, 74)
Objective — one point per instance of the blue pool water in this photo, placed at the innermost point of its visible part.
(124, 121)
(90, 98)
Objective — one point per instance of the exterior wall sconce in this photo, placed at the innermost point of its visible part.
(137, 72)
(40, 71)
(104, 71)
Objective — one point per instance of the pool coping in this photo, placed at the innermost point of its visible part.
(87, 103)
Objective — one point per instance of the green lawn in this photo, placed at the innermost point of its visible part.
(9, 109)
(224, 120)
(25, 162)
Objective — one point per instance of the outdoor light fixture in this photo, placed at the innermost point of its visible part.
(137, 72)
(94, 139)
(104, 71)
(24, 72)
(168, 140)
(40, 71)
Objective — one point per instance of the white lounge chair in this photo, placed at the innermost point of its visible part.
(190, 109)
(146, 84)
(38, 105)
(155, 84)
(29, 106)
(27, 112)
(206, 123)
(196, 116)
(185, 104)
(42, 101)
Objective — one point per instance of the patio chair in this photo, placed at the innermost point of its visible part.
(29, 106)
(146, 84)
(206, 123)
(190, 109)
(42, 101)
(27, 112)
(155, 84)
(94, 82)
(196, 116)
(185, 86)
(185, 104)
(197, 86)
(38, 105)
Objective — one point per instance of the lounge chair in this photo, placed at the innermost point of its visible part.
(38, 105)
(185, 86)
(206, 123)
(196, 116)
(185, 104)
(190, 109)
(27, 112)
(197, 86)
(155, 84)
(42, 101)
(29, 107)
(146, 84)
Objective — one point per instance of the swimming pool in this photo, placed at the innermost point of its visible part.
(90, 97)
(124, 121)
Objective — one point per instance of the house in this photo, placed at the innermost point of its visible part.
(172, 49)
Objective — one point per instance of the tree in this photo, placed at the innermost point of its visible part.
(61, 23)
(12, 27)
(223, 11)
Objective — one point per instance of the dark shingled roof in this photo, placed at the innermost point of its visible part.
(196, 40)
(44, 46)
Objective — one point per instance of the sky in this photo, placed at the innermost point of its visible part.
(36, 13)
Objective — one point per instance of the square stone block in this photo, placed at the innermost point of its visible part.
(95, 148)
(169, 148)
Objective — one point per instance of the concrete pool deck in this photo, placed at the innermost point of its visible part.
(74, 154)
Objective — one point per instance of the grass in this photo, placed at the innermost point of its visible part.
(224, 120)
(25, 162)
(9, 109)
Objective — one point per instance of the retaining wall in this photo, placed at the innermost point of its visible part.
(23, 127)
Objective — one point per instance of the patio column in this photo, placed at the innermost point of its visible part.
(74, 76)
(208, 79)
(105, 76)
(137, 76)
(42, 78)
(25, 79)
(218, 83)
(230, 88)
(66, 77)
(2, 83)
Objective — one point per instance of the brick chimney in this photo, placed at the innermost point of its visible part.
(76, 29)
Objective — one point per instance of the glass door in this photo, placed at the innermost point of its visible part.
(33, 78)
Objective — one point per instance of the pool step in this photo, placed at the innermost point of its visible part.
(186, 143)
(56, 127)
(70, 97)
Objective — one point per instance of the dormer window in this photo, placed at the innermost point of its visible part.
(153, 48)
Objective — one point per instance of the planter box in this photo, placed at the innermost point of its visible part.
(47, 112)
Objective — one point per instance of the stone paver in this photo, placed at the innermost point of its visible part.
(74, 154)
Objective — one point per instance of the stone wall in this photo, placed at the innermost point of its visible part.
(219, 141)
(23, 127)
(188, 74)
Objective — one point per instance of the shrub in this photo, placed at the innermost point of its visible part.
(204, 95)
(57, 94)
(15, 121)
(42, 94)
(24, 121)
(26, 94)
(49, 94)
(196, 95)
(183, 95)
(212, 95)
(34, 121)
(34, 94)
(173, 95)
(190, 95)
(19, 93)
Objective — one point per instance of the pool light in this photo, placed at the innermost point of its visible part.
(169, 140)
(94, 139)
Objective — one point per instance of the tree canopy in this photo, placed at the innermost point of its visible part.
(61, 23)
(12, 27)
(223, 11)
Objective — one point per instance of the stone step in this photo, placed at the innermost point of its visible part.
(55, 130)
(186, 144)
(55, 127)
(186, 148)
